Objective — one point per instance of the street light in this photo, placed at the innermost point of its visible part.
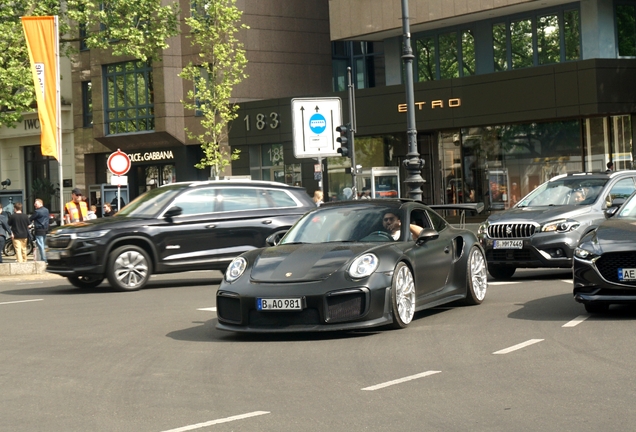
(412, 163)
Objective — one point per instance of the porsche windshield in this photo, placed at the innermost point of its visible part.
(353, 223)
(151, 203)
(565, 191)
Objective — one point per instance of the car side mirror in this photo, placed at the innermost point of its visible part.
(617, 202)
(274, 239)
(425, 235)
(611, 212)
(172, 212)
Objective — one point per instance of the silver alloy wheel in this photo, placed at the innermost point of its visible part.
(131, 269)
(478, 274)
(405, 294)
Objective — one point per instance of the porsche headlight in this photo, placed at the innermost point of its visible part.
(584, 254)
(363, 266)
(561, 226)
(235, 269)
(88, 235)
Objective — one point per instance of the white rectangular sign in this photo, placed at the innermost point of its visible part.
(314, 126)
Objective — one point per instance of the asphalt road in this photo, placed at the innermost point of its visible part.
(528, 359)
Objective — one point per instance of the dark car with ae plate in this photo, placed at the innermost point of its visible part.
(604, 267)
(174, 228)
(545, 226)
(338, 269)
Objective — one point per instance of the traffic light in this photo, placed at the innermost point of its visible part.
(344, 139)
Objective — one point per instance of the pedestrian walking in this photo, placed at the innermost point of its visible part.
(40, 221)
(5, 231)
(19, 223)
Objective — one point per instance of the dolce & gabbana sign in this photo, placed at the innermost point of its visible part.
(151, 156)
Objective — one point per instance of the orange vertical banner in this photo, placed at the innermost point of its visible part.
(43, 45)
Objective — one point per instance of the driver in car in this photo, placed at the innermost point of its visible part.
(392, 224)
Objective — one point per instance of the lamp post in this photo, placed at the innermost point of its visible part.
(412, 163)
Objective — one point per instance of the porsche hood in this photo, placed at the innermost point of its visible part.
(302, 262)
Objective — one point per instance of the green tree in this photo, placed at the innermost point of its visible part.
(134, 28)
(214, 25)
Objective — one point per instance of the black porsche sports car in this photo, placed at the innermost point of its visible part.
(604, 268)
(352, 265)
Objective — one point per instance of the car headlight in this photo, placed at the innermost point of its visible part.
(235, 269)
(363, 266)
(584, 254)
(91, 234)
(561, 226)
(483, 229)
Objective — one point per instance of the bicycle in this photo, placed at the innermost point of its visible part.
(9, 250)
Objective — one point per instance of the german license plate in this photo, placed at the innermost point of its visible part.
(278, 304)
(508, 244)
(52, 255)
(627, 274)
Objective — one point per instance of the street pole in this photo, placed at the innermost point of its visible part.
(413, 163)
(352, 120)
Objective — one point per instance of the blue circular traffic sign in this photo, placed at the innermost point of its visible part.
(317, 123)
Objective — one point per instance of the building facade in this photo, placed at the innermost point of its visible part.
(31, 175)
(507, 95)
(122, 103)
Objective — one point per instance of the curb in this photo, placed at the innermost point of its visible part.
(21, 269)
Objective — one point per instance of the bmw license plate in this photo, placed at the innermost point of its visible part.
(508, 244)
(278, 304)
(627, 274)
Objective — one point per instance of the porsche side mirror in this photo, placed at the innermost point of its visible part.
(425, 235)
(611, 212)
(274, 239)
(172, 212)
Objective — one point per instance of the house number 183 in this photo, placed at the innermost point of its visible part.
(262, 121)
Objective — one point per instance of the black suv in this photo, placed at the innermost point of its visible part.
(543, 228)
(175, 228)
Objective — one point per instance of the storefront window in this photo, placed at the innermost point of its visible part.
(608, 138)
(498, 165)
(267, 162)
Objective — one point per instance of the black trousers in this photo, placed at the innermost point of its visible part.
(2, 242)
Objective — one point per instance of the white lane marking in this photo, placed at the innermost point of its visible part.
(502, 283)
(21, 301)
(212, 309)
(218, 421)
(519, 346)
(576, 321)
(401, 380)
(568, 281)
(30, 283)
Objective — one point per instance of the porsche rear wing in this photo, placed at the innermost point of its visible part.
(462, 208)
(476, 207)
